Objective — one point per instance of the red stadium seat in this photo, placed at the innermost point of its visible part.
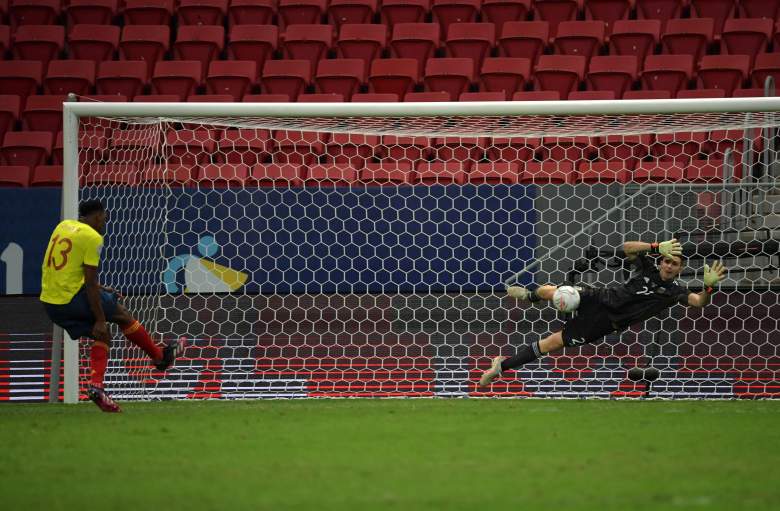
(516, 149)
(180, 77)
(450, 75)
(319, 97)
(144, 42)
(537, 95)
(38, 42)
(307, 42)
(427, 97)
(471, 40)
(767, 64)
(718, 10)
(746, 36)
(463, 149)
(223, 175)
(299, 147)
(566, 148)
(66, 76)
(340, 76)
(387, 173)
(370, 97)
(170, 175)
(667, 72)
(768, 9)
(297, 12)
(266, 98)
(442, 172)
(679, 146)
(33, 12)
(251, 12)
(274, 175)
(136, 139)
(749, 93)
(613, 73)
(148, 12)
(483, 96)
(331, 174)
(93, 42)
(658, 171)
(91, 12)
(705, 171)
(635, 37)
(416, 41)
(156, 98)
(579, 38)
(210, 98)
(701, 93)
(526, 39)
(396, 76)
(726, 72)
(5, 38)
(14, 176)
(494, 173)
(288, 77)
(613, 171)
(556, 11)
(47, 175)
(447, 12)
(562, 73)
(232, 77)
(661, 10)
(28, 148)
(547, 172)
(364, 42)
(341, 12)
(504, 74)
(647, 94)
(688, 36)
(202, 12)
(501, 11)
(9, 112)
(190, 147)
(406, 149)
(404, 11)
(246, 146)
(252, 42)
(43, 113)
(202, 43)
(121, 77)
(626, 148)
(113, 174)
(592, 95)
(608, 11)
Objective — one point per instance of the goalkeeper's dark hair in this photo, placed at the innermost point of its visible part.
(88, 207)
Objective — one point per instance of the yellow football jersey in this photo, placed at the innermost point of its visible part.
(72, 245)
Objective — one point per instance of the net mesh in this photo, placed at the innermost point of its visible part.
(367, 256)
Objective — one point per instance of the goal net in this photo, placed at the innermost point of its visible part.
(363, 250)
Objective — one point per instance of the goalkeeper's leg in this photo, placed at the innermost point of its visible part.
(526, 353)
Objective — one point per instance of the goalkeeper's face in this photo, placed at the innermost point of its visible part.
(670, 267)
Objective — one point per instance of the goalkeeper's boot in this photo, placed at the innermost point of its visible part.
(521, 293)
(101, 399)
(171, 352)
(492, 373)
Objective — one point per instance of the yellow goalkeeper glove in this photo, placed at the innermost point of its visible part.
(713, 275)
(667, 248)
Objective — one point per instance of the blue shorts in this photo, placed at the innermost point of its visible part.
(76, 316)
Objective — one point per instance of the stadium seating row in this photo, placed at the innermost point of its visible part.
(382, 173)
(336, 12)
(562, 73)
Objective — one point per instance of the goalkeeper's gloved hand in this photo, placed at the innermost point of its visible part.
(714, 274)
(668, 248)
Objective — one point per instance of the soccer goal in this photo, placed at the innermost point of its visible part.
(363, 249)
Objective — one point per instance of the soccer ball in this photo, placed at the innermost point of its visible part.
(566, 299)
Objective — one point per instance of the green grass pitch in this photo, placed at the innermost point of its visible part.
(454, 454)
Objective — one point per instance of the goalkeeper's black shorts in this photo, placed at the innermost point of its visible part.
(591, 323)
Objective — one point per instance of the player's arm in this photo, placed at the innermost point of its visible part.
(712, 276)
(665, 248)
(100, 330)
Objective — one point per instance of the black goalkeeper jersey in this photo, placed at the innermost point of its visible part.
(643, 296)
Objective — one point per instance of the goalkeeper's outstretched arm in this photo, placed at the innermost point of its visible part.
(665, 248)
(712, 276)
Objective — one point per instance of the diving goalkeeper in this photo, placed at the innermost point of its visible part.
(651, 290)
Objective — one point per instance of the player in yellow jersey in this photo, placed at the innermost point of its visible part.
(74, 299)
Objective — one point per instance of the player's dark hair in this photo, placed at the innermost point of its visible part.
(88, 207)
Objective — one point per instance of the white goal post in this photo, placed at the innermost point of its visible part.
(570, 180)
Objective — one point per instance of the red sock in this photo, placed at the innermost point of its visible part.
(137, 334)
(99, 359)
